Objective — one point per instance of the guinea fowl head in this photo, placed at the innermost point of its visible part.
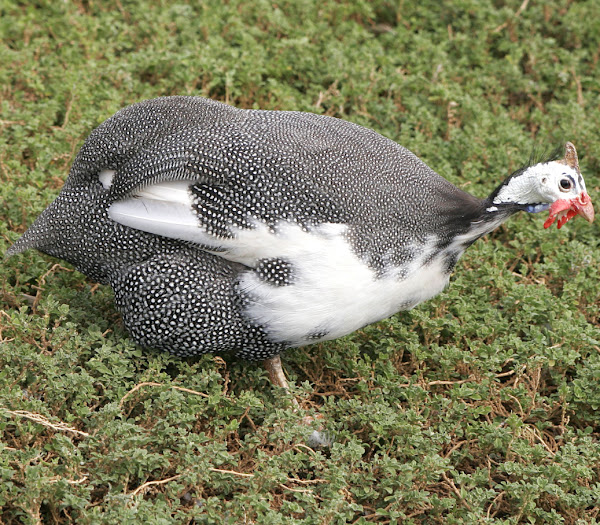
(555, 186)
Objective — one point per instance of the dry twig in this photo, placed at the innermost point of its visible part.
(148, 484)
(454, 488)
(42, 420)
(517, 14)
(150, 383)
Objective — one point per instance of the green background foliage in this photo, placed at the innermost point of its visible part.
(480, 406)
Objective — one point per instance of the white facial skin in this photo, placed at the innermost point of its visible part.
(546, 182)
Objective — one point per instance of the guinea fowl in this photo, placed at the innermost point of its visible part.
(222, 229)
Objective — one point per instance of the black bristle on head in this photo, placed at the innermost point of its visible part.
(542, 154)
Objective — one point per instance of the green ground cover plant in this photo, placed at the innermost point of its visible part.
(480, 406)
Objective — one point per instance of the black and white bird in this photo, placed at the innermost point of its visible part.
(223, 229)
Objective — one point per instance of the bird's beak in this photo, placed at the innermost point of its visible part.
(566, 209)
(585, 209)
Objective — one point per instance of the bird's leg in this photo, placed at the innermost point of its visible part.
(277, 377)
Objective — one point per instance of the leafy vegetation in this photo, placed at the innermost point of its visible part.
(480, 406)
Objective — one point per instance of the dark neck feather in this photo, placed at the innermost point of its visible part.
(469, 218)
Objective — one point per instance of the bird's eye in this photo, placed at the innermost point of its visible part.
(565, 184)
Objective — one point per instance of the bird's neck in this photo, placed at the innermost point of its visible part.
(469, 223)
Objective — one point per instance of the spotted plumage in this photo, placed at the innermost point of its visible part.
(277, 272)
(254, 231)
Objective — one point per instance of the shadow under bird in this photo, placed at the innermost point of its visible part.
(223, 229)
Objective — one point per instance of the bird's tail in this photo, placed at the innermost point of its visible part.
(40, 235)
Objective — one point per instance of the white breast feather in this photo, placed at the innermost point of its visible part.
(333, 291)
